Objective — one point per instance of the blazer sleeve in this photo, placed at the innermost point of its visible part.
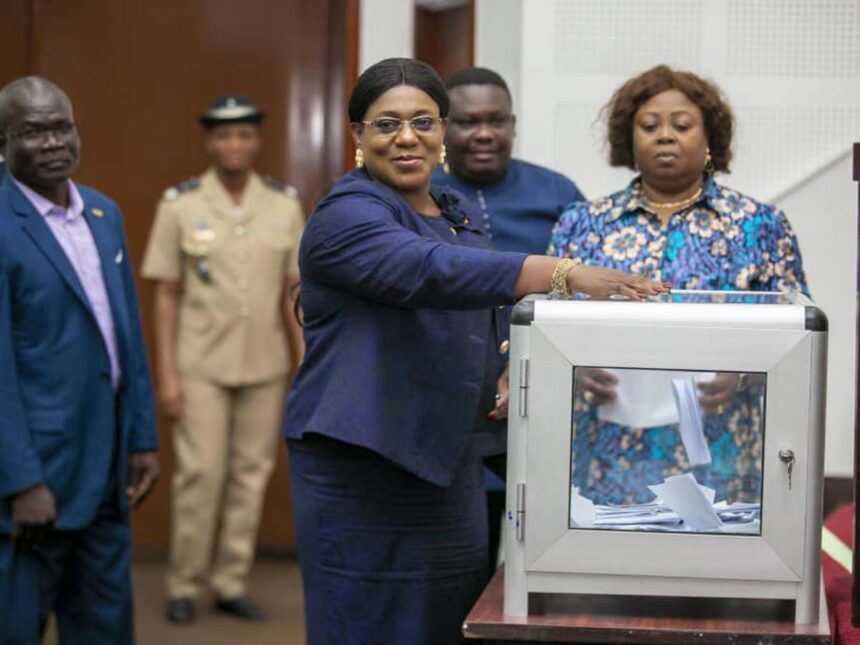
(355, 243)
(143, 430)
(20, 467)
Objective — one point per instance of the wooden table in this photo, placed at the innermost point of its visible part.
(625, 619)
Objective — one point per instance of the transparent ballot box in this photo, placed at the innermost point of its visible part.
(672, 447)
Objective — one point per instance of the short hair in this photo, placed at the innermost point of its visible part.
(24, 86)
(622, 107)
(377, 79)
(476, 76)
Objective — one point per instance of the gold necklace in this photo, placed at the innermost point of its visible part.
(681, 204)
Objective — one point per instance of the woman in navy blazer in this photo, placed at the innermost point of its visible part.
(401, 296)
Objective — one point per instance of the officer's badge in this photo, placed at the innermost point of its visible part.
(197, 241)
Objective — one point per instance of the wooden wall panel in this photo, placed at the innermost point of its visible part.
(346, 28)
(15, 41)
(139, 73)
(445, 39)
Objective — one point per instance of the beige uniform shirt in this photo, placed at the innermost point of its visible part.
(231, 261)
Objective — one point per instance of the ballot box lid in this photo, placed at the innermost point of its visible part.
(781, 309)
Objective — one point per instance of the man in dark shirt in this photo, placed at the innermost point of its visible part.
(519, 201)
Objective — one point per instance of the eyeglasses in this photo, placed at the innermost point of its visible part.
(497, 123)
(390, 126)
(34, 135)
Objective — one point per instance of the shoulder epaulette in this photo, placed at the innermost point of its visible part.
(277, 186)
(175, 191)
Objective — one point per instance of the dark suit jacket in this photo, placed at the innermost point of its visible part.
(62, 422)
(402, 324)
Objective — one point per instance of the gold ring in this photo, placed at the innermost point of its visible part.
(721, 408)
(588, 396)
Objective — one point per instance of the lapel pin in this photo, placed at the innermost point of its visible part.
(97, 212)
(118, 257)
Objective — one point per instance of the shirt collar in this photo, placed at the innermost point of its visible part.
(46, 207)
(631, 200)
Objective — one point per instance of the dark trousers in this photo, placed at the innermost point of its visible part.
(82, 576)
(498, 465)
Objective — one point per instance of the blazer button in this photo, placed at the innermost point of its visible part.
(505, 346)
(105, 375)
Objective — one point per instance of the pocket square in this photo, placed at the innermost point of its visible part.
(118, 257)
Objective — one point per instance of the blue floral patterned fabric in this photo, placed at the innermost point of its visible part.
(723, 241)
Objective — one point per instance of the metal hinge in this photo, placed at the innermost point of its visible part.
(524, 388)
(521, 512)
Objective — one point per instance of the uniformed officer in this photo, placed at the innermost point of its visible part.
(223, 253)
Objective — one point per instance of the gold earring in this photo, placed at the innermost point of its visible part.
(359, 158)
(709, 162)
(442, 160)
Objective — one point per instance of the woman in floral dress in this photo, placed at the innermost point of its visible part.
(675, 223)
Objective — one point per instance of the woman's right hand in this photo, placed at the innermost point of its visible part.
(596, 385)
(171, 397)
(601, 282)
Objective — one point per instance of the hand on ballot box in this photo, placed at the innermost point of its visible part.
(717, 394)
(500, 411)
(596, 386)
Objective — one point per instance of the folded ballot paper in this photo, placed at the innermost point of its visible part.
(690, 421)
(689, 500)
(682, 505)
(643, 399)
(651, 398)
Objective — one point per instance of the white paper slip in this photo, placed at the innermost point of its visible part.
(690, 421)
(643, 399)
(581, 509)
(683, 495)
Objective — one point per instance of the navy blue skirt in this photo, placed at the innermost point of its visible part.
(385, 557)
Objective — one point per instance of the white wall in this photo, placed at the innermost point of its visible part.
(497, 43)
(386, 30)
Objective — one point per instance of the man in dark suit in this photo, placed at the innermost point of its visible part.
(77, 436)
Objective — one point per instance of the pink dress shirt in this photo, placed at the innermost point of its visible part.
(74, 236)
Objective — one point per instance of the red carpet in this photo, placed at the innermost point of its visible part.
(837, 579)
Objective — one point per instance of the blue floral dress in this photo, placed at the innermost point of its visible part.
(723, 241)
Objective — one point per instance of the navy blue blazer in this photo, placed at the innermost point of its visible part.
(62, 423)
(397, 330)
